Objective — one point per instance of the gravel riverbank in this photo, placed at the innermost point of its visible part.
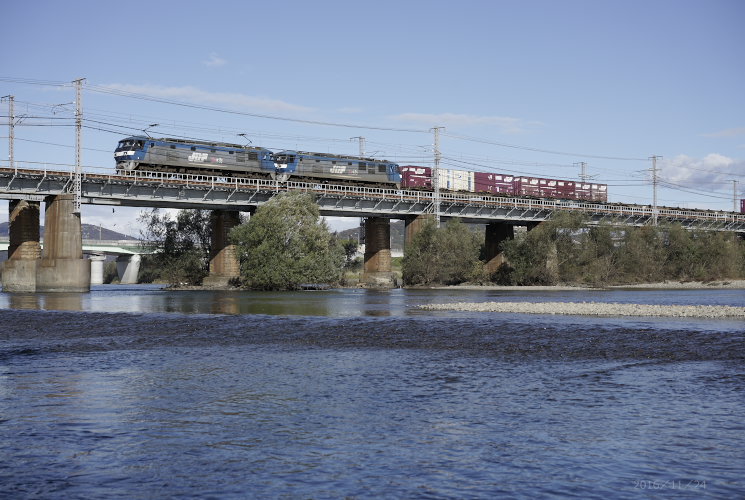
(593, 309)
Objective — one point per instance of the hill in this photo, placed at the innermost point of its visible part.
(90, 232)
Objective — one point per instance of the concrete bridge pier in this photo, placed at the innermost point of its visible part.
(97, 261)
(225, 266)
(496, 233)
(377, 260)
(62, 267)
(413, 225)
(24, 250)
(552, 259)
(128, 268)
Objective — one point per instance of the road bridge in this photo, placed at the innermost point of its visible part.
(128, 254)
(228, 196)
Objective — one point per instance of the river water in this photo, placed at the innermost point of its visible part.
(136, 392)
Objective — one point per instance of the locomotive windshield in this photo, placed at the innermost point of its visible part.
(130, 144)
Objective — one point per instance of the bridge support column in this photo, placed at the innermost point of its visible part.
(224, 264)
(24, 250)
(97, 261)
(413, 225)
(128, 268)
(62, 267)
(496, 233)
(552, 259)
(377, 266)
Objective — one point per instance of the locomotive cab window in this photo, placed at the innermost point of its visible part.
(381, 169)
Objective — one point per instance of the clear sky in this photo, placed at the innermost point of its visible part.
(530, 87)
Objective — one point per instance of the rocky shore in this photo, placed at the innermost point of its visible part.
(594, 309)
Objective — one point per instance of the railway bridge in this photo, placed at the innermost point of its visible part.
(61, 266)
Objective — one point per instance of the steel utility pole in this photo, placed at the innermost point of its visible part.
(362, 144)
(583, 171)
(735, 208)
(11, 128)
(654, 187)
(436, 175)
(77, 182)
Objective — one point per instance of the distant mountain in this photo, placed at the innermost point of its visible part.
(90, 232)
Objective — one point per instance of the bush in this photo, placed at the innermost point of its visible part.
(286, 244)
(448, 255)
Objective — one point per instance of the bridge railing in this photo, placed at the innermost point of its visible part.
(238, 183)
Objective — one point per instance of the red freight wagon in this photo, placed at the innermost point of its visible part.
(527, 186)
(494, 183)
(591, 192)
(413, 177)
(566, 190)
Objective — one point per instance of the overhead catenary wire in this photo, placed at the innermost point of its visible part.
(105, 118)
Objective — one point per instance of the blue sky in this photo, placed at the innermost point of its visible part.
(521, 86)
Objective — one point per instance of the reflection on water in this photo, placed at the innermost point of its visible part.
(46, 301)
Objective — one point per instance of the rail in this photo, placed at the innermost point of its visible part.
(139, 177)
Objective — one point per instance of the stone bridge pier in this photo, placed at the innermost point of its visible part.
(377, 260)
(24, 250)
(60, 266)
(496, 234)
(225, 266)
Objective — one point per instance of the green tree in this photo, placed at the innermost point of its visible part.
(545, 254)
(643, 256)
(181, 245)
(448, 255)
(287, 243)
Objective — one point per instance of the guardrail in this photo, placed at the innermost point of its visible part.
(138, 177)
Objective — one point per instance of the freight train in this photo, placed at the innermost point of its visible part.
(414, 177)
(232, 160)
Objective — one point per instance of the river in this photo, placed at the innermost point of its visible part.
(136, 392)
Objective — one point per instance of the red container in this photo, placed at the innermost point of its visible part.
(413, 177)
(587, 191)
(527, 186)
(494, 183)
(566, 190)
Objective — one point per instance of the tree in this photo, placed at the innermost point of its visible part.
(544, 254)
(181, 245)
(448, 255)
(286, 244)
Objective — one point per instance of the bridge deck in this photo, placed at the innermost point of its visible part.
(158, 189)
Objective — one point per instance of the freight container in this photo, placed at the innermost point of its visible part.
(493, 183)
(586, 191)
(566, 190)
(413, 177)
(456, 180)
(600, 192)
(527, 186)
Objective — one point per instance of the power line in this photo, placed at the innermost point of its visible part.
(146, 97)
(539, 150)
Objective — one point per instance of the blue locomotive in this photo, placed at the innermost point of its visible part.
(193, 157)
(231, 160)
(301, 165)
